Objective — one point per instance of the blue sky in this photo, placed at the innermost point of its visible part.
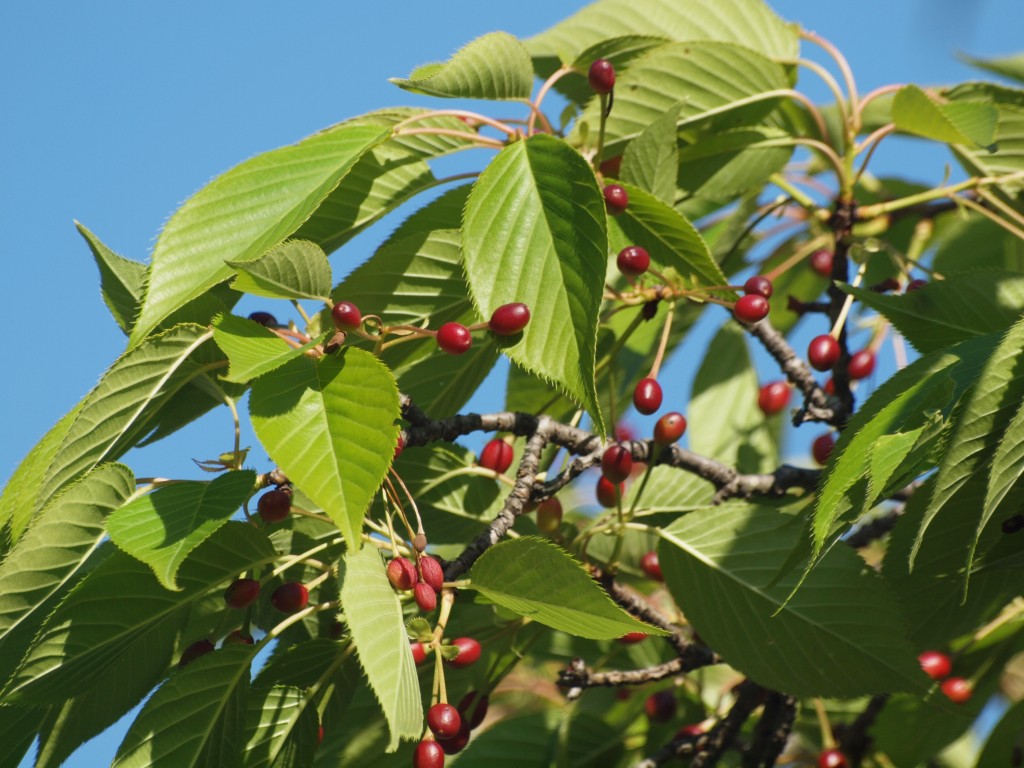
(115, 112)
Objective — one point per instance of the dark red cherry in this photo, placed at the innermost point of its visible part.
(509, 319)
(647, 396)
(616, 199)
(346, 316)
(633, 261)
(760, 285)
(862, 364)
(823, 352)
(454, 338)
(773, 397)
(601, 76)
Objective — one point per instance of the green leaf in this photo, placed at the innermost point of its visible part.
(18, 502)
(959, 122)
(534, 232)
(936, 381)
(723, 567)
(539, 580)
(1007, 465)
(117, 411)
(704, 79)
(668, 236)
(724, 164)
(52, 555)
(281, 727)
(18, 728)
(944, 312)
(651, 159)
(383, 178)
(179, 723)
(495, 66)
(747, 23)
(163, 527)
(991, 404)
(374, 615)
(1006, 156)
(295, 269)
(1003, 740)
(330, 425)
(1011, 66)
(739, 435)
(252, 349)
(242, 214)
(122, 281)
(974, 242)
(121, 603)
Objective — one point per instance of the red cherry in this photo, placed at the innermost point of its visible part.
(428, 755)
(773, 397)
(274, 506)
(935, 664)
(264, 318)
(320, 736)
(832, 758)
(751, 308)
(290, 597)
(454, 338)
(669, 428)
(432, 572)
(822, 447)
(419, 652)
(616, 463)
(915, 285)
(444, 721)
(458, 742)
(823, 352)
(608, 493)
(821, 262)
(862, 364)
(242, 593)
(760, 285)
(957, 689)
(647, 396)
(469, 652)
(611, 167)
(650, 565)
(194, 651)
(478, 704)
(616, 199)
(509, 319)
(830, 386)
(633, 261)
(402, 574)
(399, 446)
(497, 456)
(601, 76)
(632, 637)
(549, 515)
(661, 706)
(690, 731)
(346, 316)
(425, 596)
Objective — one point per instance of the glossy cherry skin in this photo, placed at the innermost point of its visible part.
(194, 651)
(751, 308)
(633, 261)
(419, 652)
(601, 76)
(473, 708)
(821, 262)
(346, 316)
(509, 319)
(822, 447)
(935, 664)
(823, 352)
(631, 638)
(431, 572)
(469, 652)
(264, 318)
(832, 758)
(549, 515)
(650, 565)
(608, 492)
(760, 285)
(616, 463)
(444, 721)
(274, 506)
(402, 573)
(957, 689)
(454, 338)
(616, 199)
(242, 593)
(497, 456)
(425, 596)
(669, 428)
(773, 398)
(428, 755)
(647, 396)
(862, 364)
(290, 597)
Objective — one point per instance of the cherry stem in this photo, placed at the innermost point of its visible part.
(871, 142)
(844, 68)
(663, 341)
(798, 256)
(827, 740)
(848, 302)
(605, 109)
(833, 86)
(871, 96)
(455, 113)
(557, 75)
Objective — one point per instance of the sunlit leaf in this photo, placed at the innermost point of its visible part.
(295, 269)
